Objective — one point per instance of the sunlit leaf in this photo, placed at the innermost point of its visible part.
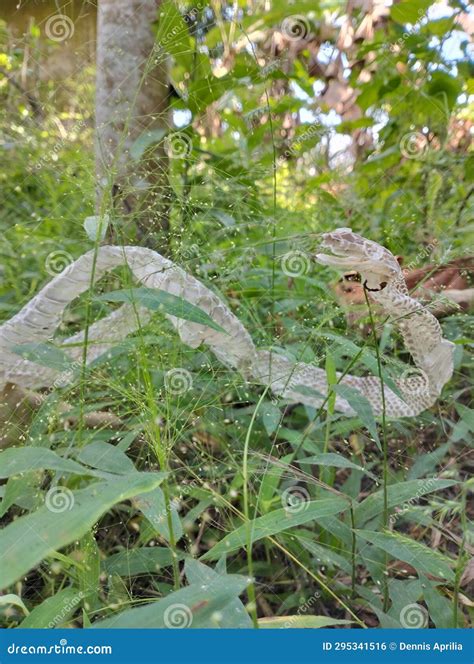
(158, 300)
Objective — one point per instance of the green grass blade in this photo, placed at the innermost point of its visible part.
(276, 522)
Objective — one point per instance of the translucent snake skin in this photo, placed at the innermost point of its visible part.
(296, 382)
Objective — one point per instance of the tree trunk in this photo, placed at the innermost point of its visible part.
(131, 101)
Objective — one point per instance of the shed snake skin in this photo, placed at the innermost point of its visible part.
(298, 382)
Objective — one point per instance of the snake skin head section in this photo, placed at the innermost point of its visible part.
(376, 264)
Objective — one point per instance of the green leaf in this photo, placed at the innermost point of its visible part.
(169, 304)
(300, 622)
(386, 620)
(23, 490)
(106, 457)
(153, 506)
(88, 572)
(367, 357)
(433, 186)
(96, 227)
(143, 560)
(409, 11)
(271, 416)
(172, 35)
(145, 141)
(271, 479)
(362, 407)
(444, 87)
(402, 593)
(440, 607)
(325, 555)
(426, 462)
(331, 380)
(226, 219)
(13, 600)
(196, 606)
(37, 434)
(419, 556)
(276, 522)
(16, 460)
(28, 540)
(45, 354)
(439, 27)
(336, 460)
(403, 492)
(466, 414)
(206, 90)
(234, 614)
(54, 611)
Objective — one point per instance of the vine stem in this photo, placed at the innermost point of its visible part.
(384, 447)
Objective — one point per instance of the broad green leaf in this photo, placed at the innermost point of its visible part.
(128, 438)
(88, 572)
(467, 414)
(336, 460)
(366, 356)
(141, 560)
(194, 513)
(324, 555)
(402, 593)
(409, 11)
(37, 434)
(426, 462)
(439, 27)
(13, 600)
(96, 227)
(16, 460)
(23, 490)
(234, 614)
(464, 425)
(153, 506)
(271, 479)
(386, 620)
(271, 416)
(444, 88)
(158, 300)
(419, 556)
(28, 540)
(361, 406)
(196, 606)
(172, 35)
(106, 457)
(145, 141)
(300, 622)
(276, 522)
(210, 88)
(226, 219)
(45, 354)
(54, 611)
(398, 494)
(439, 606)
